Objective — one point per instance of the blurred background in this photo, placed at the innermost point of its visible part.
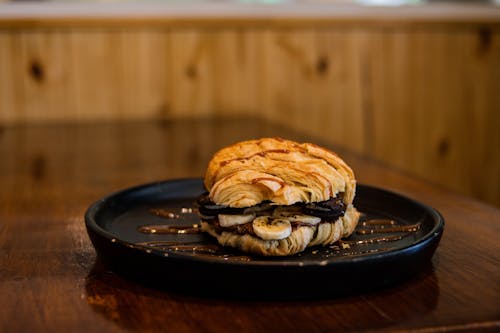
(413, 84)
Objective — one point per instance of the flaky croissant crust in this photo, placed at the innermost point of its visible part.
(278, 170)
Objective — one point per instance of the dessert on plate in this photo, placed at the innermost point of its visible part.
(276, 197)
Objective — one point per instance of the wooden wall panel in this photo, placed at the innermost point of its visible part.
(10, 84)
(313, 82)
(213, 72)
(119, 74)
(481, 120)
(73, 75)
(422, 99)
(287, 74)
(430, 111)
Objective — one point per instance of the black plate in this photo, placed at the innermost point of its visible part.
(192, 262)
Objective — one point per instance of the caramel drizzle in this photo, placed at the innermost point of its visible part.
(375, 222)
(376, 240)
(380, 229)
(171, 215)
(357, 253)
(183, 247)
(212, 250)
(169, 229)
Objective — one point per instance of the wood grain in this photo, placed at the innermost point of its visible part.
(313, 83)
(212, 72)
(419, 97)
(51, 281)
(440, 126)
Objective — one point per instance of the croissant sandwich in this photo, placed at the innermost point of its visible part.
(275, 197)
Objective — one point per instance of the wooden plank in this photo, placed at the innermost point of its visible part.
(83, 75)
(428, 108)
(342, 65)
(480, 133)
(212, 72)
(120, 75)
(190, 76)
(9, 81)
(46, 76)
(314, 83)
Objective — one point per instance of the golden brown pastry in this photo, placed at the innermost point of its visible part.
(276, 197)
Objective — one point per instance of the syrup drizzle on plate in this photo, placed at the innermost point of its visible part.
(169, 229)
(387, 231)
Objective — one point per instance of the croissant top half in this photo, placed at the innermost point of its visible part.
(277, 170)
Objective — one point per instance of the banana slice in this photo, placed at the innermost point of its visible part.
(308, 219)
(226, 220)
(297, 217)
(269, 228)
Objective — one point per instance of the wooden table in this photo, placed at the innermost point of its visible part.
(50, 280)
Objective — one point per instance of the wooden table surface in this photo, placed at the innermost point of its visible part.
(50, 280)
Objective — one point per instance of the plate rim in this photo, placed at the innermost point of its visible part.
(92, 225)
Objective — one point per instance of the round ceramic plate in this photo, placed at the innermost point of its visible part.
(151, 233)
